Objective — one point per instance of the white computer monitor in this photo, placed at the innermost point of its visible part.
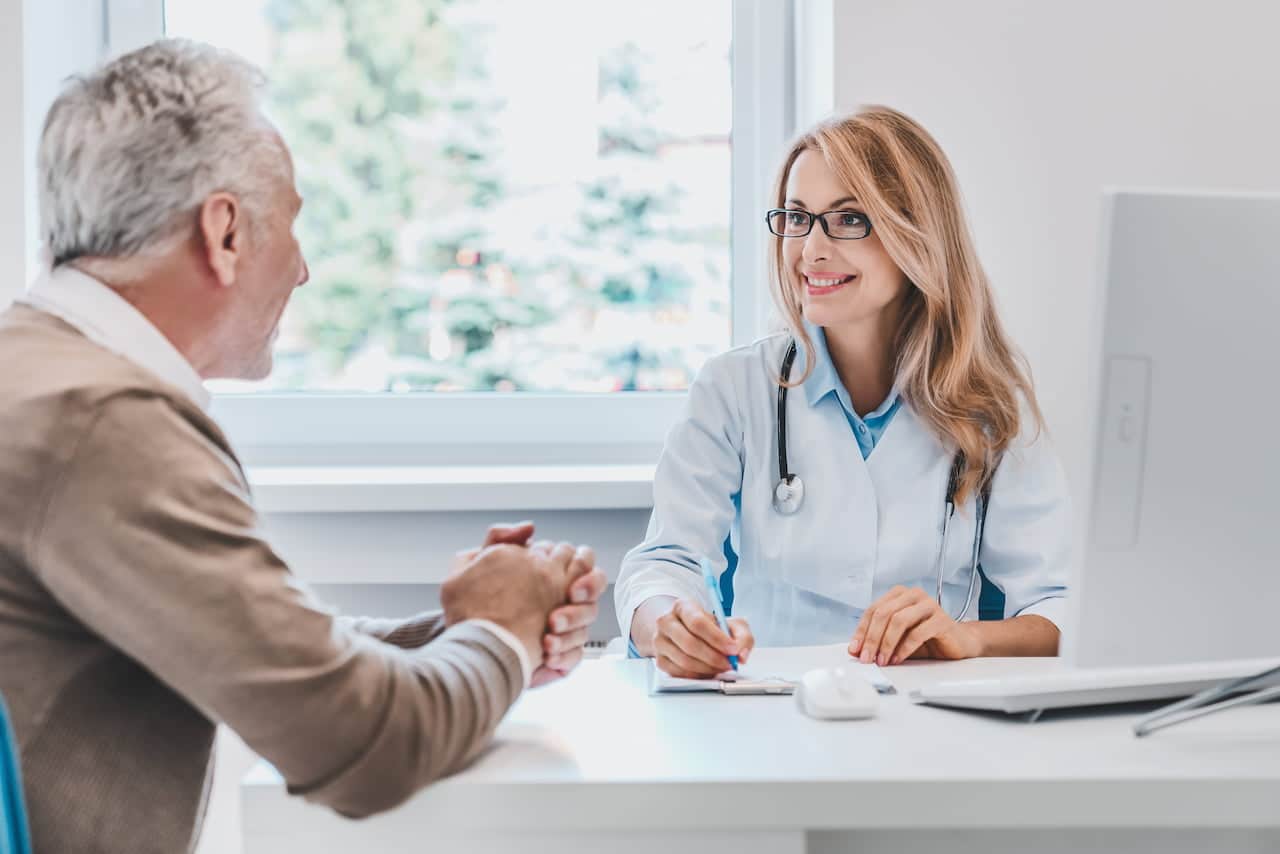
(1182, 553)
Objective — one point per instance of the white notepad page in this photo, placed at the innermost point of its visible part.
(777, 663)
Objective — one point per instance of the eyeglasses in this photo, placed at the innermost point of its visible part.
(839, 225)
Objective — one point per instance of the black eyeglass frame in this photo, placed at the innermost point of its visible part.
(821, 217)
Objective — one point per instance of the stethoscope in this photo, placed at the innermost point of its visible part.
(788, 495)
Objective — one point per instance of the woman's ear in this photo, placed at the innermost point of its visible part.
(222, 236)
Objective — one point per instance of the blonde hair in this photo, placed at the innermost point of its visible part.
(954, 363)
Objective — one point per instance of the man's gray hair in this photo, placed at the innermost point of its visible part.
(131, 151)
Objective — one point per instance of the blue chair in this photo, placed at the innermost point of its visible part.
(14, 836)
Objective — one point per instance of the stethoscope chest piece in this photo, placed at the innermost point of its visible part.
(788, 495)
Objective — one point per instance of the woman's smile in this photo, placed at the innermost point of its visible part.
(821, 284)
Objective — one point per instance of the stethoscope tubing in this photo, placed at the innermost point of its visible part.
(791, 486)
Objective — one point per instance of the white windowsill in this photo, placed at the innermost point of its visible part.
(389, 489)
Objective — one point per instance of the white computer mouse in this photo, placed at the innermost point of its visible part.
(837, 693)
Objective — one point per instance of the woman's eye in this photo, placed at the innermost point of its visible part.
(850, 219)
(797, 218)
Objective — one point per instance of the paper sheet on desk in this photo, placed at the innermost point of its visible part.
(776, 663)
(662, 683)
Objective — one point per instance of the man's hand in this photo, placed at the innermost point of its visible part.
(567, 625)
(514, 586)
(517, 534)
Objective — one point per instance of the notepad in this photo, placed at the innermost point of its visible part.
(730, 682)
(774, 670)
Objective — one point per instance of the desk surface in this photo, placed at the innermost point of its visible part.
(597, 752)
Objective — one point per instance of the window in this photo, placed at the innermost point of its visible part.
(516, 213)
(487, 211)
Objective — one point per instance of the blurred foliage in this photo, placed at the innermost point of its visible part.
(387, 108)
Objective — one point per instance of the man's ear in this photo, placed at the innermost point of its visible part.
(222, 234)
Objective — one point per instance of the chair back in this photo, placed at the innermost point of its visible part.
(14, 835)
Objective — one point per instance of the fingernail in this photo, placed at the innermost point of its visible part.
(866, 656)
(880, 659)
(580, 594)
(560, 624)
(732, 649)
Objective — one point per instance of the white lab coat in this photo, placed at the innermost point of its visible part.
(864, 526)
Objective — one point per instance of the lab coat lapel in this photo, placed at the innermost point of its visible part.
(841, 503)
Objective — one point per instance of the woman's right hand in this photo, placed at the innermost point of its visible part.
(690, 645)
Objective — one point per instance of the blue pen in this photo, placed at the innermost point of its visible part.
(717, 604)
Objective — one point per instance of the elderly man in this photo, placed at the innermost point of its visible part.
(139, 603)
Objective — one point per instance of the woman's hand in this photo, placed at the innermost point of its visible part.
(689, 644)
(908, 623)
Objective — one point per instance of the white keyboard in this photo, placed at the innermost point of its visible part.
(1067, 687)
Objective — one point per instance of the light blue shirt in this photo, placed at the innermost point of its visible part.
(824, 383)
(871, 517)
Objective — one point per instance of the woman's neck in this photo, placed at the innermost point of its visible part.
(864, 359)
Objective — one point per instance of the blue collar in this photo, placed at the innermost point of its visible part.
(824, 380)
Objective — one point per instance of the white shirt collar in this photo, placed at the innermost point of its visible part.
(108, 320)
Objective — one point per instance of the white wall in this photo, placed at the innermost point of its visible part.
(12, 157)
(1041, 105)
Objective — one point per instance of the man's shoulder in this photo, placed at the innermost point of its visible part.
(59, 388)
(49, 362)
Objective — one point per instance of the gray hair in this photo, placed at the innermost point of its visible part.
(130, 152)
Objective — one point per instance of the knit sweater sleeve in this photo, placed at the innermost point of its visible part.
(148, 535)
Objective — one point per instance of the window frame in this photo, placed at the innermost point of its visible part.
(17, 183)
(529, 427)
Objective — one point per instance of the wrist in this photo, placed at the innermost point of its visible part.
(644, 622)
(530, 658)
(533, 636)
(535, 652)
(976, 641)
(524, 633)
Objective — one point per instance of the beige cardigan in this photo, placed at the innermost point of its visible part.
(139, 604)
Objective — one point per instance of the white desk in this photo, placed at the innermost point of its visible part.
(594, 764)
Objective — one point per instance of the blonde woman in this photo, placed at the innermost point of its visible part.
(914, 463)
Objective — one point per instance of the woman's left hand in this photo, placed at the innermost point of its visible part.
(908, 623)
